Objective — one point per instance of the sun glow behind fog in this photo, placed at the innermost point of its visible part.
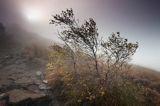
(33, 14)
(37, 13)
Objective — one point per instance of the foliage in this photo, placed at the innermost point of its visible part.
(70, 67)
(118, 51)
(83, 37)
(88, 89)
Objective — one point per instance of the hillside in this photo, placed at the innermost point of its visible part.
(147, 77)
(22, 55)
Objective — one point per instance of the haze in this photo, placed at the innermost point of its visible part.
(137, 20)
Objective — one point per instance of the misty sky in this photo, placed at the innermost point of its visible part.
(137, 20)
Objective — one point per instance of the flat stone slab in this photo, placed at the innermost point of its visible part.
(16, 96)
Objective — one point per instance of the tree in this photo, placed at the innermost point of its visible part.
(84, 36)
(82, 45)
(118, 51)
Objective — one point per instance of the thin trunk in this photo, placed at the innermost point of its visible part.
(96, 64)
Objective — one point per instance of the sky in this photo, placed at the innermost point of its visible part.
(137, 20)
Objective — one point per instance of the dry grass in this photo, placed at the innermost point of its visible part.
(35, 51)
(146, 73)
(82, 87)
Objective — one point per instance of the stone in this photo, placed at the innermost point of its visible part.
(24, 81)
(19, 96)
(3, 96)
(3, 99)
(38, 73)
(45, 81)
(43, 87)
(33, 88)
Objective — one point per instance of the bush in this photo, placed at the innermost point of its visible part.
(88, 71)
(85, 88)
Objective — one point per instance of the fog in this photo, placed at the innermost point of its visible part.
(137, 20)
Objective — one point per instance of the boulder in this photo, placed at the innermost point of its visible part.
(20, 97)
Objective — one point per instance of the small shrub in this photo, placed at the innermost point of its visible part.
(78, 73)
(86, 88)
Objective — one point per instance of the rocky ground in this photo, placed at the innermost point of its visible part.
(19, 83)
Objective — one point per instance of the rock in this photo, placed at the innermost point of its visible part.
(45, 81)
(3, 96)
(4, 82)
(3, 103)
(24, 81)
(4, 99)
(1, 87)
(33, 88)
(6, 57)
(19, 97)
(43, 87)
(38, 73)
